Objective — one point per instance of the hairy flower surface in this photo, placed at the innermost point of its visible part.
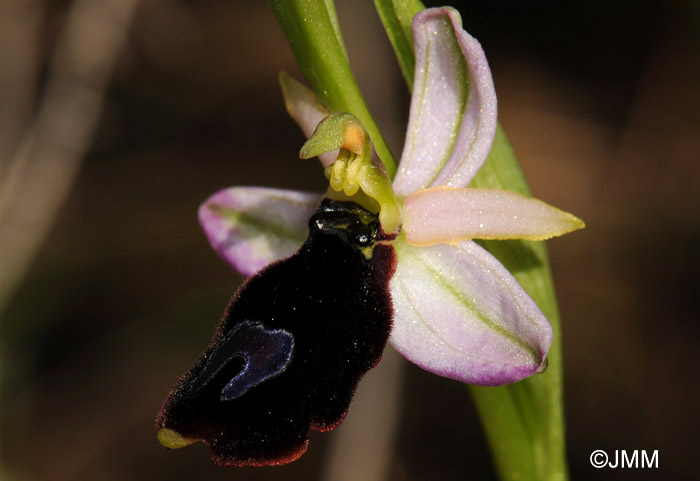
(458, 312)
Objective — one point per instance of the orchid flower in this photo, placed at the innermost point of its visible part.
(457, 311)
(333, 276)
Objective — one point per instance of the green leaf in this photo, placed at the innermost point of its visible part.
(314, 36)
(396, 15)
(524, 422)
(333, 16)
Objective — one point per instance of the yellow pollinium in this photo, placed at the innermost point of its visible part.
(357, 174)
(172, 440)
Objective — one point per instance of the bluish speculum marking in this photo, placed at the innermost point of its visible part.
(267, 352)
(291, 346)
(264, 353)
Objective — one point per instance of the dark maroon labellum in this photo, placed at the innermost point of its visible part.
(292, 345)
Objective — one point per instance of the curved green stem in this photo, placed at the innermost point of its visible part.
(311, 26)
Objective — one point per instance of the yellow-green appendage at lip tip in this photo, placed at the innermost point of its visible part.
(354, 169)
(172, 440)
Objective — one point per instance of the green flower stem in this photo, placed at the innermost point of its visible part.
(396, 16)
(524, 422)
(311, 26)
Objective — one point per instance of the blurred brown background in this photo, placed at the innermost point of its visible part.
(110, 289)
